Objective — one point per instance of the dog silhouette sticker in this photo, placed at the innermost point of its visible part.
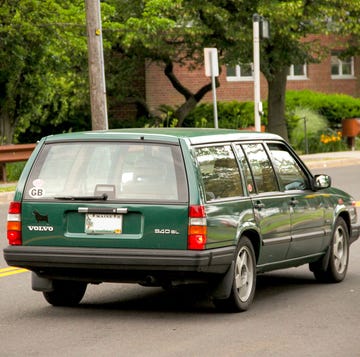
(39, 217)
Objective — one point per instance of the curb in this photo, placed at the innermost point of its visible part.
(334, 159)
(6, 197)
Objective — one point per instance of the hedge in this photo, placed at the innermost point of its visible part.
(334, 107)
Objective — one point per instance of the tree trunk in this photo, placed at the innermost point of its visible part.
(276, 103)
(182, 112)
(191, 99)
(7, 128)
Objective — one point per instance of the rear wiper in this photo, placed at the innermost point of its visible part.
(103, 197)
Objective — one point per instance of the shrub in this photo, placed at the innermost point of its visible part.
(334, 107)
(319, 137)
(231, 115)
(13, 170)
(315, 123)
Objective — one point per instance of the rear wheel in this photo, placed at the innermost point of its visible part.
(65, 293)
(244, 279)
(338, 258)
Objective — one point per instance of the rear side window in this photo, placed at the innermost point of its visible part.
(145, 171)
(220, 172)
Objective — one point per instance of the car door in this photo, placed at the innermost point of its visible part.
(227, 207)
(270, 206)
(306, 206)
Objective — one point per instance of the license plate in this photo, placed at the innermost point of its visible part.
(98, 223)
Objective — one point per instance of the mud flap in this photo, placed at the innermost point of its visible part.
(323, 263)
(41, 284)
(223, 288)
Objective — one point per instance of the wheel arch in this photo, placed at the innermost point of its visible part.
(255, 239)
(346, 217)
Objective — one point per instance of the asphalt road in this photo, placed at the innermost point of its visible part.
(292, 315)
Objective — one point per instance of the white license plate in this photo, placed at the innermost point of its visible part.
(103, 223)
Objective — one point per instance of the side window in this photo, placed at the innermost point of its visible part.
(219, 171)
(292, 177)
(262, 170)
(246, 170)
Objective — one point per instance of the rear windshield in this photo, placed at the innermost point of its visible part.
(121, 171)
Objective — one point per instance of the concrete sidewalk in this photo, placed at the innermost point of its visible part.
(313, 161)
(331, 159)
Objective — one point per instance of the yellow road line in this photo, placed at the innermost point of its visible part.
(11, 271)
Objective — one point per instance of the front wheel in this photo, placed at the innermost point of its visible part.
(65, 293)
(338, 258)
(244, 279)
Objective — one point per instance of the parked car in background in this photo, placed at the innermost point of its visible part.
(162, 207)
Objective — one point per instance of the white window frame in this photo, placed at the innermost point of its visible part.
(238, 77)
(292, 76)
(340, 63)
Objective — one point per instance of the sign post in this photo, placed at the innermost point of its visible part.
(212, 70)
(260, 30)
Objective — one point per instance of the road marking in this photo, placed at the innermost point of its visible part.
(11, 271)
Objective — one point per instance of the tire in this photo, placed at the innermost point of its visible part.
(338, 257)
(65, 293)
(244, 279)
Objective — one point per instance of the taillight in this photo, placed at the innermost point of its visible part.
(197, 230)
(14, 224)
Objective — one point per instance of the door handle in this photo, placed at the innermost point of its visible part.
(259, 205)
(293, 202)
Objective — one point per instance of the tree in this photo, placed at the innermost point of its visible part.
(43, 52)
(169, 32)
(292, 22)
(177, 31)
(43, 73)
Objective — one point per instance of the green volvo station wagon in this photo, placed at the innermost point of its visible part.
(163, 207)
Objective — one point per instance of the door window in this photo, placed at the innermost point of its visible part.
(291, 176)
(220, 172)
(261, 168)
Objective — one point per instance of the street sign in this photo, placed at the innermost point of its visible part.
(211, 62)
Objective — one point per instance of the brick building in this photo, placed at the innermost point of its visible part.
(333, 75)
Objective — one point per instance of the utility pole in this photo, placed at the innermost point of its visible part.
(99, 119)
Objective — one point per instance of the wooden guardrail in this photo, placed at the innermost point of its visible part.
(13, 153)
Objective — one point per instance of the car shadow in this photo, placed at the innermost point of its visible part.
(192, 298)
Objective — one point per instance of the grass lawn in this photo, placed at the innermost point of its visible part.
(8, 188)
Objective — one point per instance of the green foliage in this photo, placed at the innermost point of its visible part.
(305, 118)
(319, 137)
(43, 52)
(231, 115)
(334, 107)
(43, 73)
(13, 170)
(177, 31)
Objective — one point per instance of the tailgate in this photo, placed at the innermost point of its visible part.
(126, 194)
(142, 226)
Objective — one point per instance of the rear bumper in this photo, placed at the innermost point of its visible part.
(117, 264)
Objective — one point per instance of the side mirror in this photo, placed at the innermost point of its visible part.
(321, 181)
